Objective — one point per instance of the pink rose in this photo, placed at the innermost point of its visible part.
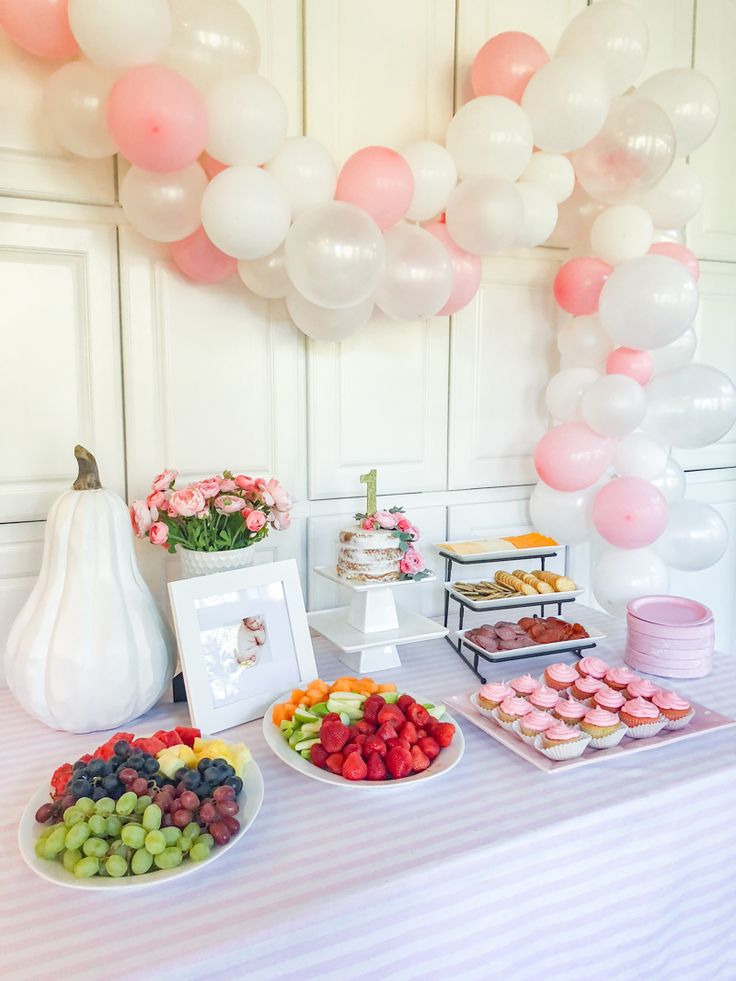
(403, 524)
(275, 496)
(385, 519)
(159, 533)
(368, 524)
(414, 532)
(405, 567)
(187, 502)
(140, 518)
(254, 520)
(245, 483)
(229, 504)
(226, 486)
(158, 500)
(415, 559)
(280, 520)
(209, 487)
(164, 480)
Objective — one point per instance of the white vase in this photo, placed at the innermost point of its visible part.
(205, 563)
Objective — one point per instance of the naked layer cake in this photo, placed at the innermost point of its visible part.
(369, 556)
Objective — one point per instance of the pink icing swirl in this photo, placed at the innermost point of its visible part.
(609, 699)
(665, 699)
(592, 666)
(524, 684)
(562, 673)
(640, 708)
(511, 705)
(544, 697)
(600, 717)
(562, 733)
(588, 685)
(641, 688)
(620, 676)
(570, 710)
(536, 721)
(495, 691)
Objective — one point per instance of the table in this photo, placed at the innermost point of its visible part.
(617, 871)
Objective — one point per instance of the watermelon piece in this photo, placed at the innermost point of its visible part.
(188, 735)
(173, 738)
(86, 758)
(150, 745)
(127, 736)
(104, 752)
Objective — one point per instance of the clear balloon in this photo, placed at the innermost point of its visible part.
(671, 481)
(247, 120)
(676, 354)
(565, 390)
(246, 212)
(571, 457)
(200, 260)
(490, 136)
(575, 218)
(676, 199)
(335, 255)
(690, 100)
(39, 26)
(378, 180)
(679, 252)
(668, 235)
(621, 232)
(632, 362)
(630, 512)
(435, 175)
(638, 455)
(466, 270)
(566, 517)
(322, 324)
(648, 302)
(306, 171)
(583, 343)
(266, 277)
(75, 101)
(630, 154)
(505, 63)
(696, 536)
(578, 284)
(567, 103)
(417, 278)
(163, 207)
(212, 40)
(621, 575)
(552, 171)
(613, 35)
(483, 214)
(540, 214)
(691, 406)
(118, 35)
(615, 405)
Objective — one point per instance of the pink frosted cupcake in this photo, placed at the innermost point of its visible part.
(619, 678)
(584, 688)
(609, 699)
(534, 723)
(524, 684)
(560, 676)
(569, 711)
(591, 667)
(677, 710)
(561, 742)
(604, 728)
(641, 688)
(492, 694)
(511, 709)
(643, 718)
(544, 698)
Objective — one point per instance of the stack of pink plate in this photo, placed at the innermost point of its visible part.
(669, 636)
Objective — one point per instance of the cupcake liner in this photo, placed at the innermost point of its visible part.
(479, 708)
(563, 751)
(673, 724)
(516, 726)
(609, 741)
(583, 701)
(500, 722)
(646, 729)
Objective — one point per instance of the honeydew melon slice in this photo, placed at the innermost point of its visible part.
(348, 696)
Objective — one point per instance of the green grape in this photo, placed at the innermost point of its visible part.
(133, 835)
(95, 846)
(45, 832)
(141, 862)
(102, 871)
(152, 817)
(199, 851)
(169, 858)
(76, 836)
(86, 805)
(105, 806)
(72, 816)
(192, 830)
(87, 867)
(184, 844)
(118, 848)
(126, 803)
(71, 857)
(114, 824)
(205, 839)
(116, 866)
(171, 835)
(142, 804)
(155, 842)
(98, 825)
(54, 843)
(40, 848)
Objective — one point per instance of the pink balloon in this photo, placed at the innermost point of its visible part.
(200, 260)
(210, 166)
(578, 284)
(466, 270)
(157, 118)
(630, 512)
(379, 181)
(629, 361)
(39, 26)
(571, 457)
(680, 253)
(504, 65)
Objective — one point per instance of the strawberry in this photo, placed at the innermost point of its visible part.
(354, 767)
(444, 731)
(399, 762)
(372, 706)
(375, 767)
(429, 746)
(431, 725)
(417, 714)
(404, 743)
(419, 760)
(360, 738)
(387, 731)
(60, 779)
(392, 714)
(374, 744)
(404, 702)
(319, 755)
(351, 747)
(421, 733)
(365, 727)
(331, 717)
(334, 762)
(409, 732)
(333, 736)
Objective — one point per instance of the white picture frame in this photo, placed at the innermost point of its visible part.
(243, 641)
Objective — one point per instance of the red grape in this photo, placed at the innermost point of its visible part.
(67, 801)
(167, 821)
(127, 775)
(163, 801)
(190, 800)
(44, 812)
(180, 788)
(207, 812)
(227, 808)
(232, 824)
(224, 793)
(139, 786)
(175, 806)
(182, 818)
(220, 833)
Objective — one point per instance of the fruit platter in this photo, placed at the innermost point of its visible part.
(357, 733)
(141, 810)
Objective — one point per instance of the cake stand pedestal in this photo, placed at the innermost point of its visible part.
(370, 630)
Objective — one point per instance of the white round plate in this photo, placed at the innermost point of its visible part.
(29, 830)
(448, 758)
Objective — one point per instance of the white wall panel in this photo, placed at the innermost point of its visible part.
(279, 24)
(21, 546)
(670, 25)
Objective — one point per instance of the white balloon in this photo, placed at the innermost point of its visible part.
(621, 232)
(575, 218)
(75, 100)
(622, 574)
(247, 120)
(566, 517)
(613, 35)
(695, 538)
(211, 40)
(553, 171)
(648, 302)
(323, 324)
(306, 171)
(614, 405)
(540, 214)
(435, 175)
(690, 100)
(583, 343)
(679, 352)
(691, 406)
(483, 214)
(490, 136)
(163, 207)
(567, 102)
(638, 455)
(676, 199)
(417, 279)
(245, 212)
(676, 235)
(119, 35)
(266, 277)
(671, 482)
(564, 391)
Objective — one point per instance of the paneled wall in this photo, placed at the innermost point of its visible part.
(104, 343)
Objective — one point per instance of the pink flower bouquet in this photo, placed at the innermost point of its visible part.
(213, 515)
(412, 564)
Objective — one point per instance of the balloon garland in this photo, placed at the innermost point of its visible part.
(562, 145)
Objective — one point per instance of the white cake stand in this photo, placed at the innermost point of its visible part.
(370, 630)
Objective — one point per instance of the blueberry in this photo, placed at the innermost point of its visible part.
(110, 782)
(203, 764)
(115, 761)
(236, 783)
(98, 793)
(122, 748)
(117, 792)
(150, 766)
(219, 762)
(229, 771)
(191, 779)
(181, 773)
(80, 787)
(97, 768)
(212, 775)
(204, 790)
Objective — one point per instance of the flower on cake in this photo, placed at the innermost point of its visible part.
(411, 564)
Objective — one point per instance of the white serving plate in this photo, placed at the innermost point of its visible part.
(510, 553)
(705, 720)
(560, 645)
(330, 572)
(448, 758)
(509, 602)
(29, 830)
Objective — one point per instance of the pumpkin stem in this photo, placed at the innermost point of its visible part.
(89, 476)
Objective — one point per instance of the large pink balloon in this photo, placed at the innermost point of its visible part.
(200, 260)
(39, 26)
(571, 457)
(578, 284)
(157, 118)
(504, 65)
(379, 181)
(629, 361)
(630, 512)
(679, 252)
(466, 269)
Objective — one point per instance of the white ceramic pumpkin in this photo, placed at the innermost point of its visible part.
(89, 649)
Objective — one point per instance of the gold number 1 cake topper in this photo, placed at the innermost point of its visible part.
(370, 479)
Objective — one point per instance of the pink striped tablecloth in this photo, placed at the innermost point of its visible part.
(615, 871)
